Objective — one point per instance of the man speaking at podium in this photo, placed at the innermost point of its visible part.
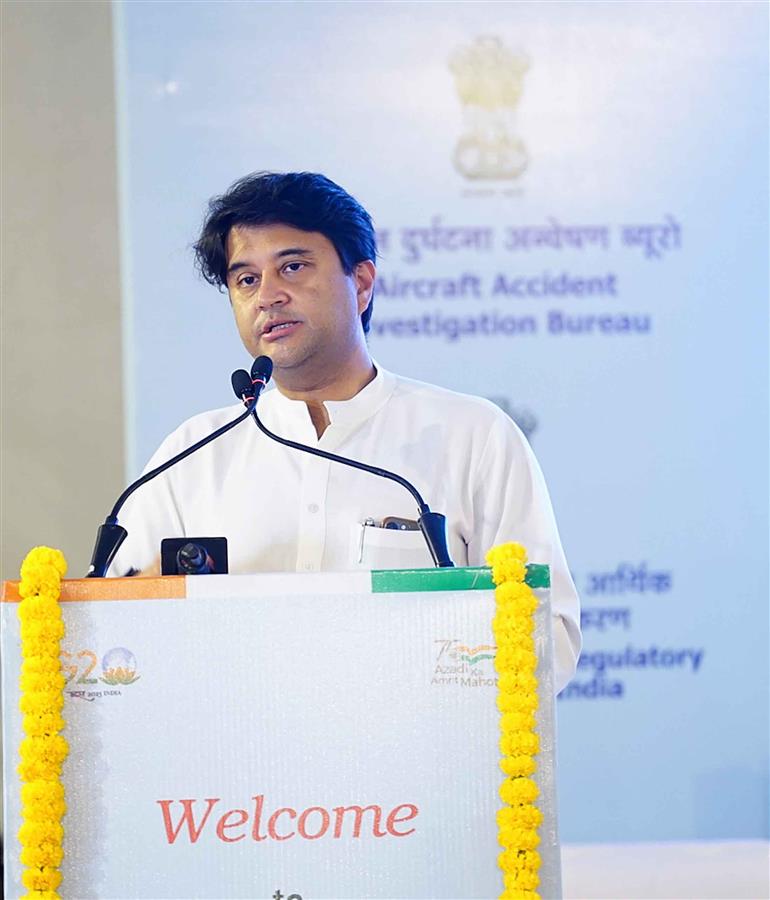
(296, 254)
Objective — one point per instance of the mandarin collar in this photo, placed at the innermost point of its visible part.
(342, 412)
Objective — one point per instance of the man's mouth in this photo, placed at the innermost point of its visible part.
(275, 330)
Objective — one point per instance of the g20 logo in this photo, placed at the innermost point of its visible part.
(118, 667)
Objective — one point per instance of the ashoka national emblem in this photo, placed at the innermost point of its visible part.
(489, 81)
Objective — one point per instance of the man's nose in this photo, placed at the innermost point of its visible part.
(271, 292)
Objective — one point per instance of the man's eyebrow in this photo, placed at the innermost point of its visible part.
(294, 251)
(288, 251)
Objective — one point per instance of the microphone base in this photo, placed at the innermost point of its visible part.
(109, 537)
(433, 527)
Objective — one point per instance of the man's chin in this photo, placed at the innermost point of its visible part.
(285, 359)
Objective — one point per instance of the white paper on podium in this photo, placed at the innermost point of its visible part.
(292, 700)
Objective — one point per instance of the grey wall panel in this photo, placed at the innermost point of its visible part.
(62, 410)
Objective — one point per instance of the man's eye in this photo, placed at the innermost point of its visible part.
(293, 267)
(247, 280)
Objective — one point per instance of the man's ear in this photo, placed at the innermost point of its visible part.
(364, 275)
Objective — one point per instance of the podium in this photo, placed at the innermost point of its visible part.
(281, 736)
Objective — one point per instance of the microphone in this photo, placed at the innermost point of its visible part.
(111, 535)
(193, 559)
(432, 524)
(249, 387)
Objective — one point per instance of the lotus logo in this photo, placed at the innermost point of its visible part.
(119, 667)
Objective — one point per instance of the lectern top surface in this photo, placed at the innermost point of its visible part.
(381, 581)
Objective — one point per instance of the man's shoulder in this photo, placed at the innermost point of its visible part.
(200, 425)
(446, 402)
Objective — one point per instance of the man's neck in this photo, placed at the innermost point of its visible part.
(314, 392)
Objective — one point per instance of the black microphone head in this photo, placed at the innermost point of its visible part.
(192, 559)
(262, 369)
(242, 385)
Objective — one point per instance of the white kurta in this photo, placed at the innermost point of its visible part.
(284, 510)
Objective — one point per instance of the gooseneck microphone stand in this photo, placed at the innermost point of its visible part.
(432, 524)
(111, 535)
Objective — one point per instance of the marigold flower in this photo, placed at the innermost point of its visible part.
(42, 801)
(516, 611)
(509, 570)
(42, 757)
(520, 657)
(520, 742)
(515, 648)
(42, 630)
(521, 879)
(519, 894)
(512, 703)
(507, 562)
(515, 720)
(41, 606)
(513, 682)
(47, 647)
(43, 750)
(42, 558)
(520, 838)
(42, 855)
(525, 816)
(512, 592)
(40, 665)
(42, 792)
(42, 723)
(524, 764)
(502, 551)
(45, 879)
(512, 623)
(516, 791)
(35, 702)
(30, 769)
(515, 592)
(517, 699)
(40, 814)
(39, 584)
(53, 811)
(517, 653)
(517, 858)
(31, 834)
(50, 747)
(42, 682)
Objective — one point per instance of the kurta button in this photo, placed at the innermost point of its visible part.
(313, 508)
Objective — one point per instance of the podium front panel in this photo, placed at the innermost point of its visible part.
(293, 735)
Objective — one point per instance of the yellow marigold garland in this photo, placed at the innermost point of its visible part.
(517, 700)
(43, 750)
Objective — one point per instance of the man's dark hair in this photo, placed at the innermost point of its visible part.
(304, 200)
